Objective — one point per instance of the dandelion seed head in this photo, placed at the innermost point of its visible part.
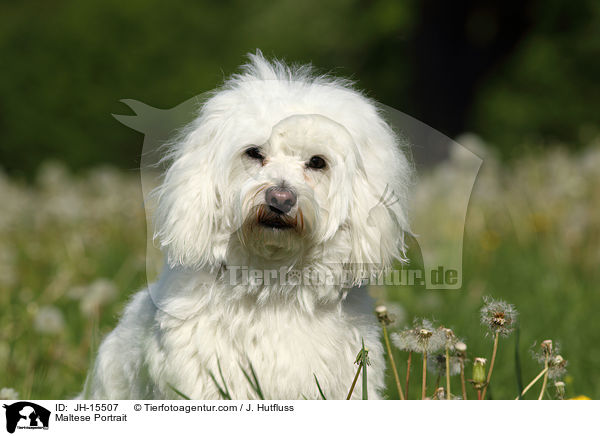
(401, 341)
(390, 313)
(557, 365)
(49, 320)
(380, 309)
(98, 294)
(499, 316)
(547, 347)
(422, 338)
(383, 315)
(425, 334)
(436, 363)
(461, 347)
(8, 394)
(449, 333)
(396, 313)
(450, 338)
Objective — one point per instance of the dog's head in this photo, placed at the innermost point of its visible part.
(280, 166)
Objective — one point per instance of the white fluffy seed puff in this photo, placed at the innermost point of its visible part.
(269, 215)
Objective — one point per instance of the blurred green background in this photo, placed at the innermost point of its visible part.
(509, 71)
(522, 76)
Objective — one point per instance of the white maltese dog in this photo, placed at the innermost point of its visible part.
(274, 208)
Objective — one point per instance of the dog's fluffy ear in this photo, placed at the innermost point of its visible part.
(378, 218)
(189, 218)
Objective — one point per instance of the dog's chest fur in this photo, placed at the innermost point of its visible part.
(285, 346)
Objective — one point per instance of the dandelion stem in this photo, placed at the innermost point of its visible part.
(392, 362)
(489, 376)
(545, 377)
(447, 374)
(424, 384)
(479, 394)
(462, 379)
(408, 363)
(534, 381)
(354, 381)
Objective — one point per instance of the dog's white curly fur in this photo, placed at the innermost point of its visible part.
(208, 223)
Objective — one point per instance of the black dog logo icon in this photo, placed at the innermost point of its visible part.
(26, 415)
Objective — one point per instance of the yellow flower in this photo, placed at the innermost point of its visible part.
(580, 397)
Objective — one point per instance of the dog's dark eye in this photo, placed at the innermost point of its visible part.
(316, 162)
(254, 153)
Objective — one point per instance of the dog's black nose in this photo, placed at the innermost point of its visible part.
(279, 199)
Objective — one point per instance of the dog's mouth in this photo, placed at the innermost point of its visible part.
(275, 224)
(272, 220)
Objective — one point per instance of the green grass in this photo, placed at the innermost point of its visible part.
(60, 235)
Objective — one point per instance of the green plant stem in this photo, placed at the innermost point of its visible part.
(447, 374)
(533, 382)
(392, 362)
(424, 384)
(489, 376)
(253, 381)
(462, 379)
(354, 381)
(365, 389)
(518, 374)
(319, 388)
(178, 392)
(408, 364)
(545, 378)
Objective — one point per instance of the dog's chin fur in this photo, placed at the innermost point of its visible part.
(214, 224)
